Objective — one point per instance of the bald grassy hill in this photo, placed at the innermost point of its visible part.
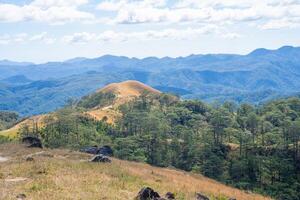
(64, 174)
(122, 92)
(104, 103)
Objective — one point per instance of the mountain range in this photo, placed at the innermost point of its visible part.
(256, 77)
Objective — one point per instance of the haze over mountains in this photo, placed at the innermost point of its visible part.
(257, 77)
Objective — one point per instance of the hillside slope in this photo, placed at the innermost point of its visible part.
(123, 92)
(127, 89)
(62, 174)
(30, 122)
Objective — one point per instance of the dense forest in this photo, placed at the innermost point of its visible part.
(250, 147)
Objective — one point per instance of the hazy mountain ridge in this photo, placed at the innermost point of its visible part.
(262, 73)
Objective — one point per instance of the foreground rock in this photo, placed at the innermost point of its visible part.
(200, 196)
(105, 150)
(148, 193)
(29, 158)
(100, 158)
(21, 196)
(32, 142)
(170, 196)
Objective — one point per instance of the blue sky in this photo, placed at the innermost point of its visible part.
(53, 30)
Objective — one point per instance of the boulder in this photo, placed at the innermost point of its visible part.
(21, 196)
(33, 142)
(101, 158)
(29, 158)
(200, 196)
(148, 193)
(105, 150)
(170, 196)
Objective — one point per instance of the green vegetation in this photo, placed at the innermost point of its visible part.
(4, 139)
(252, 148)
(97, 99)
(7, 119)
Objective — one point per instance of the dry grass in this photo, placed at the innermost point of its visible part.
(99, 114)
(63, 174)
(125, 92)
(128, 89)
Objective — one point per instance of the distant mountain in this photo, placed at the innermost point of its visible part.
(16, 80)
(13, 63)
(256, 77)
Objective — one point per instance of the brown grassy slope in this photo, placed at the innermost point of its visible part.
(13, 131)
(125, 92)
(128, 88)
(63, 174)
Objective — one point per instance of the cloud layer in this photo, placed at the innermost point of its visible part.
(173, 34)
(51, 11)
(25, 38)
(265, 14)
(119, 36)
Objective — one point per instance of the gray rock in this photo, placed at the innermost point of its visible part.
(100, 158)
(29, 158)
(21, 196)
(200, 196)
(148, 193)
(170, 196)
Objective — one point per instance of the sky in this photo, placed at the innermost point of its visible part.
(56, 30)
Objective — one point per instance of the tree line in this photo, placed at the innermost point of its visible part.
(250, 147)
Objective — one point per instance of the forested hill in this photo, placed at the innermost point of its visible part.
(256, 77)
(250, 147)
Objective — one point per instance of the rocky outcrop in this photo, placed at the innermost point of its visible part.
(170, 196)
(105, 150)
(148, 193)
(200, 196)
(100, 158)
(32, 141)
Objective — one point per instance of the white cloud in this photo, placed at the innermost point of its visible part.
(51, 11)
(171, 34)
(45, 4)
(265, 14)
(79, 38)
(22, 38)
(280, 23)
(42, 37)
(205, 12)
(4, 39)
